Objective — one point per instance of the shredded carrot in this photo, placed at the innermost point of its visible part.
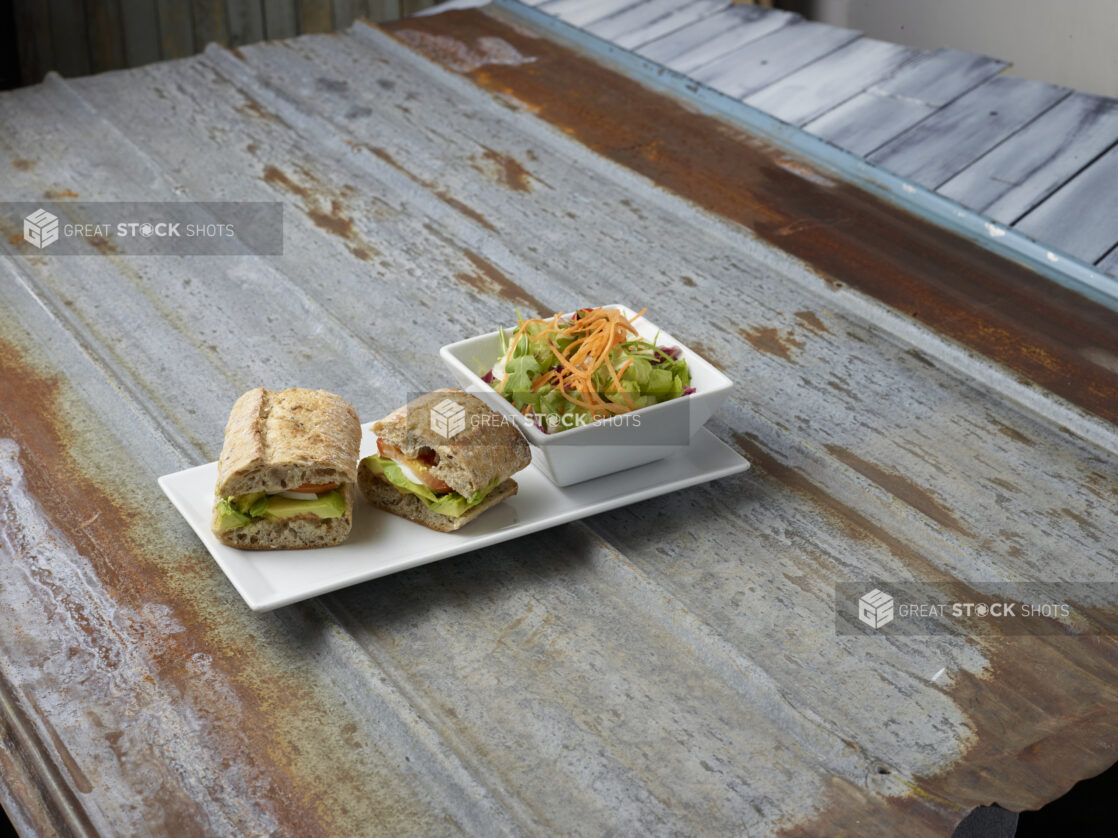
(589, 338)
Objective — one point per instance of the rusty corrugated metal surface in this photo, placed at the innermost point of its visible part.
(670, 668)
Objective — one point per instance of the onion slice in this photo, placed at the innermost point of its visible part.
(299, 495)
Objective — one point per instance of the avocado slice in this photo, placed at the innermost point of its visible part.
(327, 505)
(228, 518)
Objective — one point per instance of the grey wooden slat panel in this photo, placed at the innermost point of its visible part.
(140, 23)
(581, 12)
(639, 24)
(106, 35)
(1109, 263)
(209, 23)
(36, 50)
(315, 16)
(378, 10)
(69, 34)
(683, 15)
(410, 7)
(700, 43)
(944, 75)
(833, 79)
(246, 21)
(868, 121)
(347, 11)
(280, 19)
(955, 136)
(1029, 166)
(758, 64)
(176, 28)
(889, 108)
(448, 5)
(1081, 217)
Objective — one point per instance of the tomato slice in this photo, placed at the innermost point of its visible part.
(422, 469)
(315, 488)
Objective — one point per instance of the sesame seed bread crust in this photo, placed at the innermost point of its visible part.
(276, 440)
(384, 495)
(481, 446)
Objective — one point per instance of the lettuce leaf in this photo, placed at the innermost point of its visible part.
(451, 504)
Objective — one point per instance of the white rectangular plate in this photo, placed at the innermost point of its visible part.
(382, 543)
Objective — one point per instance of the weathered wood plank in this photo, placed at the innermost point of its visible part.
(830, 81)
(943, 76)
(582, 12)
(209, 23)
(315, 16)
(280, 19)
(760, 63)
(700, 43)
(640, 24)
(70, 35)
(1033, 163)
(410, 7)
(1081, 217)
(36, 49)
(140, 22)
(868, 121)
(1109, 263)
(106, 35)
(955, 136)
(176, 29)
(347, 11)
(246, 21)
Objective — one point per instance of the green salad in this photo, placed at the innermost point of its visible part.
(565, 372)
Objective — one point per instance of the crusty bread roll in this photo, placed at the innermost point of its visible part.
(486, 448)
(471, 446)
(276, 441)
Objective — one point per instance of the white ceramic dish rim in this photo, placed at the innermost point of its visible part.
(571, 437)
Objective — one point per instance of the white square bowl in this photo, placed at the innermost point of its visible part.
(607, 445)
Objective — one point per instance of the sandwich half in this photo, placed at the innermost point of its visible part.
(443, 459)
(286, 473)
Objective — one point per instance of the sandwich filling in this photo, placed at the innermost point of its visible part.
(315, 502)
(413, 478)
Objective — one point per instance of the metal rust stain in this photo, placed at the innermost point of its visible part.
(1067, 728)
(460, 56)
(80, 510)
(1011, 433)
(901, 488)
(853, 524)
(706, 353)
(436, 190)
(507, 170)
(769, 340)
(487, 278)
(1023, 753)
(811, 320)
(982, 300)
(333, 221)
